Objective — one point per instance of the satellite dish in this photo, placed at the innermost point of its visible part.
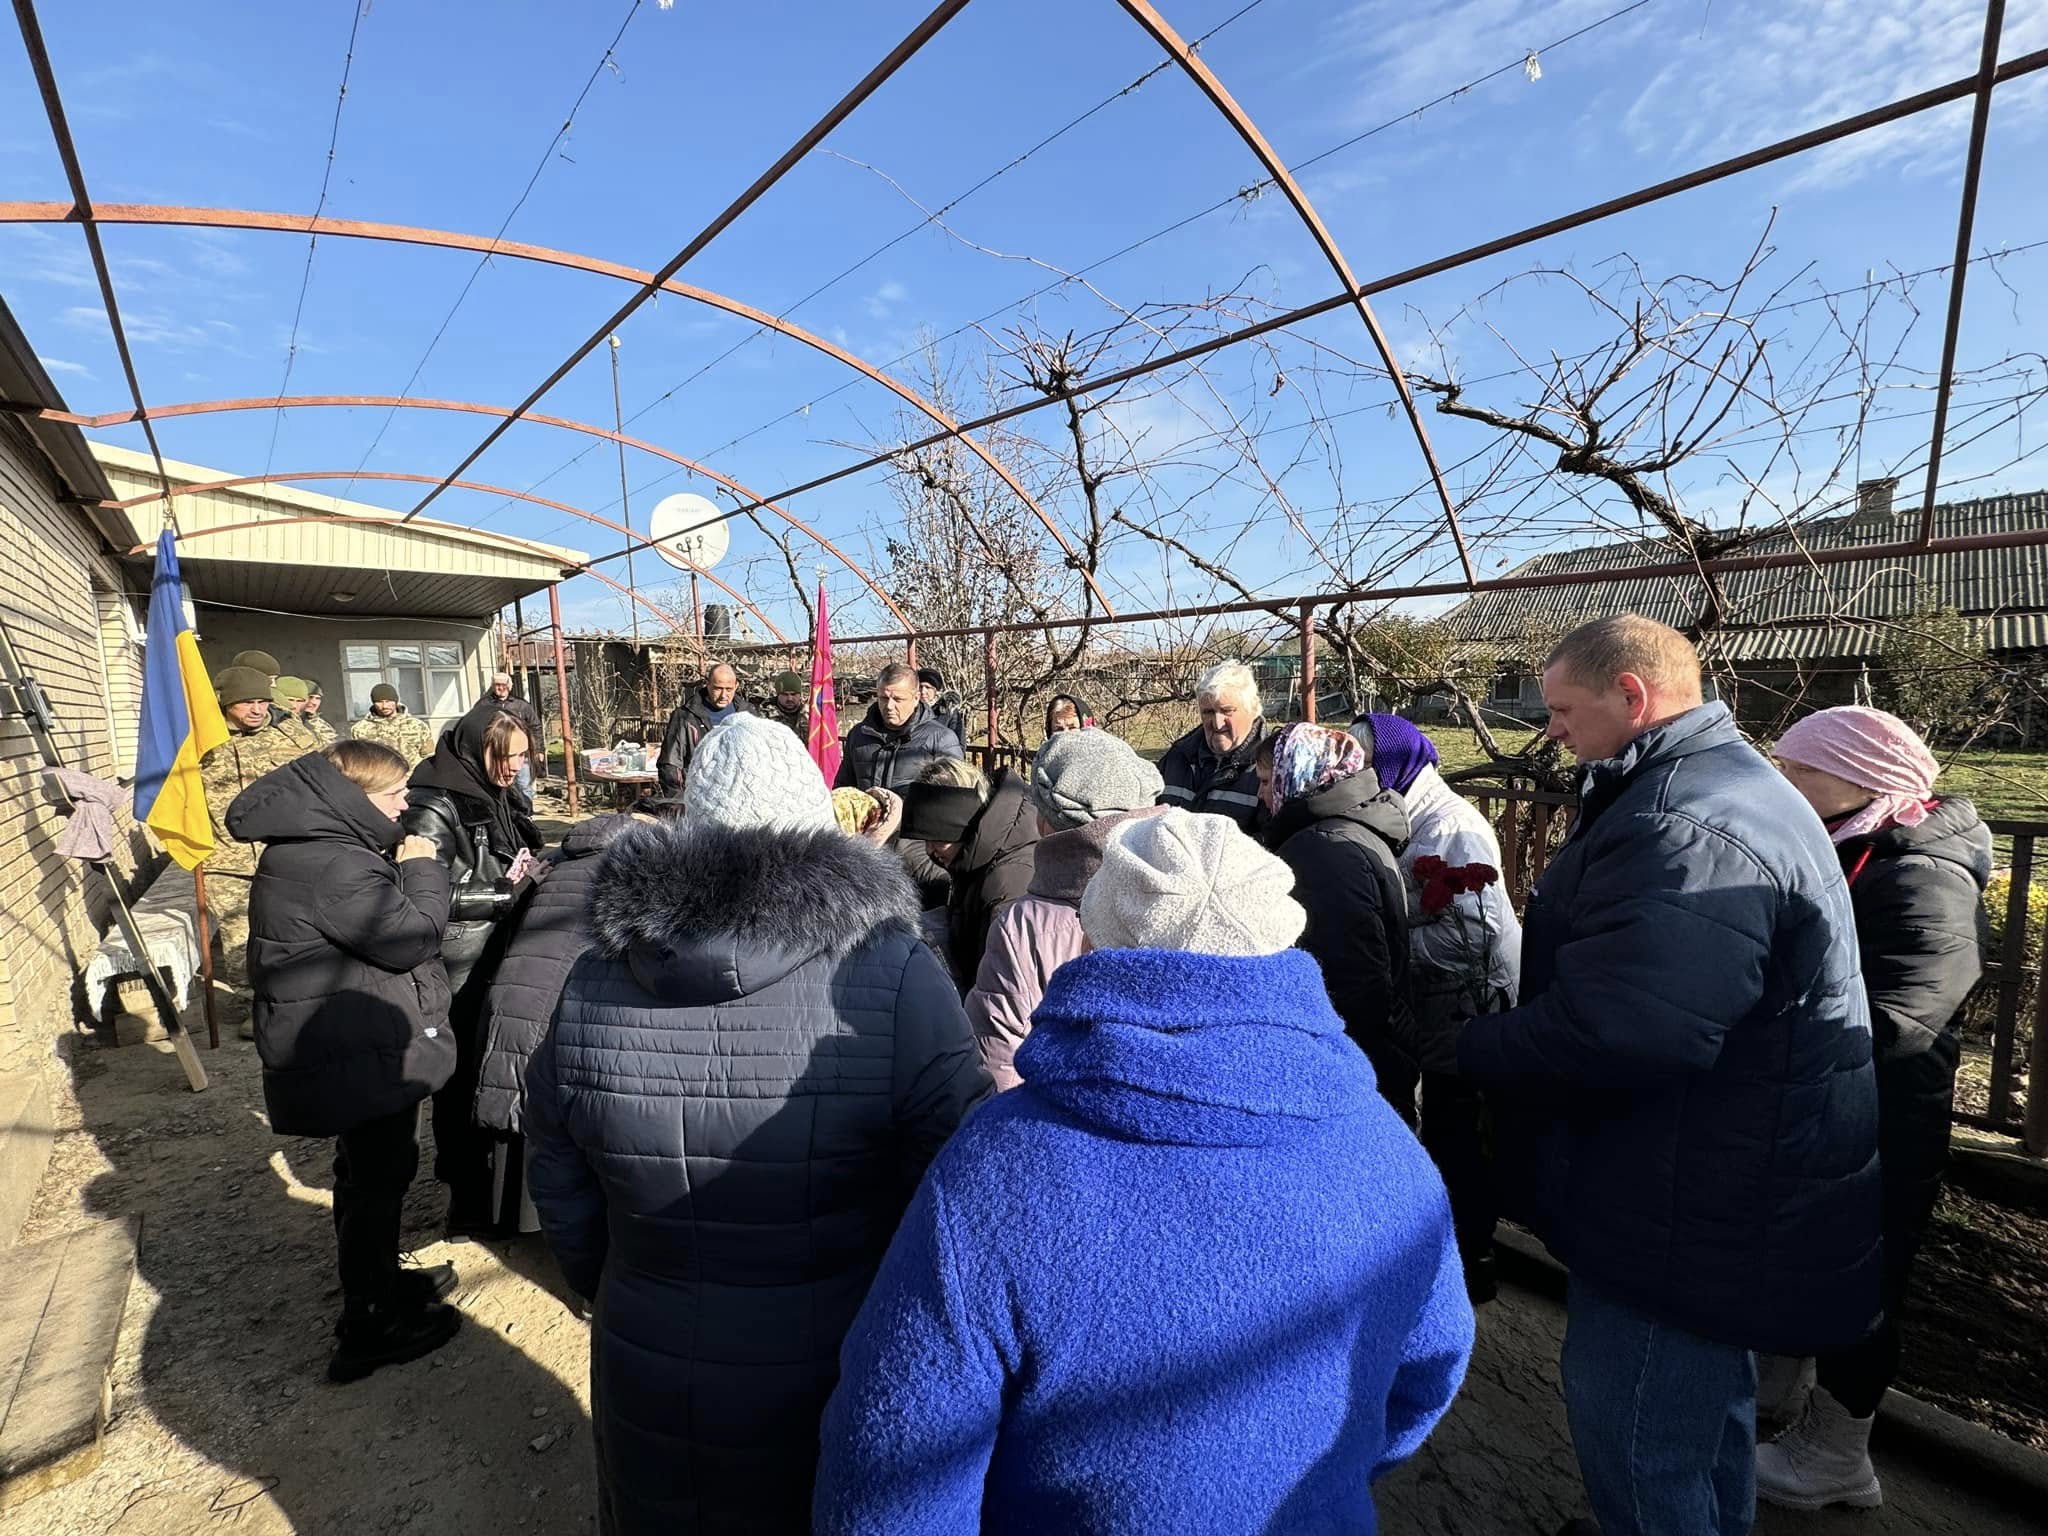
(687, 531)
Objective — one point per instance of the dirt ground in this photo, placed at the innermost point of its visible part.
(224, 1419)
(1976, 1321)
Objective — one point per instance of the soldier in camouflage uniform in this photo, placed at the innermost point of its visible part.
(389, 725)
(289, 695)
(793, 704)
(256, 744)
(310, 715)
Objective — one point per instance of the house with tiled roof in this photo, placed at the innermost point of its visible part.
(1815, 632)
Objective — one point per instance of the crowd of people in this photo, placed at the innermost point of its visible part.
(1117, 1147)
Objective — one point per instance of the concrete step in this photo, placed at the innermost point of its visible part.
(61, 1302)
(25, 1136)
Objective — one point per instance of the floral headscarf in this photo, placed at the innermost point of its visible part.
(1307, 758)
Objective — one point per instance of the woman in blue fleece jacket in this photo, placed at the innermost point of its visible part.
(1226, 1299)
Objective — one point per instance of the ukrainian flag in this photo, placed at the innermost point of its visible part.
(181, 720)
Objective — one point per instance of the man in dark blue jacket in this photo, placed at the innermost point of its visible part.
(1691, 1059)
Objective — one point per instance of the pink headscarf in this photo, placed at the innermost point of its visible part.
(1872, 749)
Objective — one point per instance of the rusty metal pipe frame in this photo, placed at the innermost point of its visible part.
(20, 212)
(1973, 166)
(898, 56)
(262, 221)
(1161, 32)
(1876, 117)
(390, 522)
(74, 173)
(477, 408)
(1280, 607)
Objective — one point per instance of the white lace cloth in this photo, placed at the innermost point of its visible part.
(167, 920)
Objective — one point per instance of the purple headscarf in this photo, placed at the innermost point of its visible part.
(1399, 751)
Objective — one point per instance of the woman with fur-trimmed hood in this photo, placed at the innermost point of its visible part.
(745, 1078)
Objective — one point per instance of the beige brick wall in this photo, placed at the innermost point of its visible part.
(65, 636)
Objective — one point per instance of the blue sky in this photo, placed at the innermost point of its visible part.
(449, 110)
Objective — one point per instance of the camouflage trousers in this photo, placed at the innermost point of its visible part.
(227, 917)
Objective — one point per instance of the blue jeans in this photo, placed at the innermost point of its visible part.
(524, 783)
(1664, 1422)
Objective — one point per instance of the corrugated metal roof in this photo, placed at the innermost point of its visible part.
(1819, 602)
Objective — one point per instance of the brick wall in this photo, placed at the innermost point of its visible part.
(59, 600)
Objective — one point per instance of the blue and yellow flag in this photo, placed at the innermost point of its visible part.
(181, 720)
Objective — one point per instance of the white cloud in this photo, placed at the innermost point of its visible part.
(1761, 71)
(883, 301)
(60, 365)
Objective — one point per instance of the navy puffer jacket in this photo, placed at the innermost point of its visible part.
(1693, 1024)
(877, 755)
(745, 1079)
(544, 937)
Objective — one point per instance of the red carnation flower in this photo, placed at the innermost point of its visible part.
(1436, 895)
(1429, 867)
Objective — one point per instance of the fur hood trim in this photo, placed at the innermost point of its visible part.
(676, 886)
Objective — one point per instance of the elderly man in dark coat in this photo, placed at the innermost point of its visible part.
(1694, 1033)
(1214, 767)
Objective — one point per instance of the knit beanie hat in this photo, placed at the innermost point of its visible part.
(383, 693)
(238, 685)
(1185, 881)
(750, 771)
(1873, 750)
(313, 689)
(262, 661)
(789, 682)
(1081, 775)
(930, 677)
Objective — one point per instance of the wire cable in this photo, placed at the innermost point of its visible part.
(291, 351)
(548, 154)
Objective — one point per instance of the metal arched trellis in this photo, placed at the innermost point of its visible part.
(478, 408)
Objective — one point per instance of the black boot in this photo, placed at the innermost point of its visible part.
(1481, 1283)
(389, 1335)
(423, 1285)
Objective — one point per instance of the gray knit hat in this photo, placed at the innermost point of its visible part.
(1186, 881)
(750, 771)
(1079, 776)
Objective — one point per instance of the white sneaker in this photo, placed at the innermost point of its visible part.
(1824, 1459)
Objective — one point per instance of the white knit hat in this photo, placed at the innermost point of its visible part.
(1182, 880)
(750, 771)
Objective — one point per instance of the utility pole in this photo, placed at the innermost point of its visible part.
(625, 497)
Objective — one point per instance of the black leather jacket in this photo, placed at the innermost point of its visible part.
(460, 827)
(688, 724)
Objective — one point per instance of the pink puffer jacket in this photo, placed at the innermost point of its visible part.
(1032, 938)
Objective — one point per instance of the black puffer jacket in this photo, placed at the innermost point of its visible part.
(1343, 844)
(543, 938)
(993, 869)
(688, 724)
(875, 755)
(344, 954)
(469, 845)
(745, 1079)
(1920, 922)
(1198, 779)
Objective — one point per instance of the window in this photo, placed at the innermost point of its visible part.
(1507, 688)
(427, 674)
